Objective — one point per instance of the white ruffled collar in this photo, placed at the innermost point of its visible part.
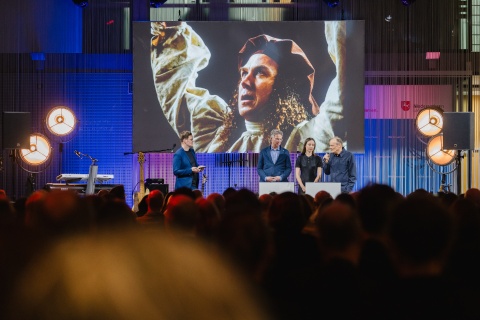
(254, 127)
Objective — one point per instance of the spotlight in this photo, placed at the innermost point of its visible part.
(437, 154)
(81, 3)
(39, 151)
(388, 18)
(429, 121)
(157, 3)
(61, 121)
(407, 2)
(331, 3)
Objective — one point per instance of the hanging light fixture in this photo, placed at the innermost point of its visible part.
(429, 121)
(61, 121)
(39, 152)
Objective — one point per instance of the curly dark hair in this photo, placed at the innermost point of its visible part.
(289, 105)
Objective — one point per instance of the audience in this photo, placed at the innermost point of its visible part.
(375, 255)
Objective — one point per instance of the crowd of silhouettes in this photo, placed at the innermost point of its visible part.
(372, 254)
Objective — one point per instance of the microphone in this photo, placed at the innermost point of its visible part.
(325, 159)
(78, 153)
(174, 145)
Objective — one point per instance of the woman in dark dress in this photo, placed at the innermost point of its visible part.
(308, 167)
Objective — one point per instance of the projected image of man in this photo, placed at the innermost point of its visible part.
(274, 91)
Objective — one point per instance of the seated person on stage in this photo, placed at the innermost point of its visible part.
(274, 161)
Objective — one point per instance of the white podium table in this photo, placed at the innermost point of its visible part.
(277, 187)
(334, 188)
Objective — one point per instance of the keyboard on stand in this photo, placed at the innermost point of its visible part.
(76, 177)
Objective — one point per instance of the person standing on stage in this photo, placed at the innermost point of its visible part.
(308, 167)
(274, 161)
(185, 165)
(340, 164)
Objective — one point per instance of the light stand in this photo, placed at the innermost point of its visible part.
(429, 123)
(35, 159)
(61, 122)
(445, 188)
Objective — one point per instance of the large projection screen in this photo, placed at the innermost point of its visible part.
(231, 83)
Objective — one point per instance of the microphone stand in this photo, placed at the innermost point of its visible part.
(153, 151)
(92, 172)
(92, 176)
(229, 164)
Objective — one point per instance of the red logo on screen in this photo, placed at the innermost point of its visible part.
(405, 105)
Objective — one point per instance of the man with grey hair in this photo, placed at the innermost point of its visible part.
(340, 165)
(274, 161)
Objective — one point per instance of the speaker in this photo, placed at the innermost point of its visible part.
(458, 131)
(16, 130)
(158, 186)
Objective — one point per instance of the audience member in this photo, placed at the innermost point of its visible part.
(293, 250)
(218, 200)
(197, 193)
(115, 213)
(347, 199)
(473, 194)
(265, 201)
(228, 192)
(421, 233)
(243, 234)
(181, 215)
(186, 192)
(117, 192)
(464, 261)
(131, 275)
(142, 206)
(337, 282)
(57, 212)
(154, 217)
(208, 219)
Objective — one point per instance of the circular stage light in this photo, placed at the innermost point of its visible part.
(39, 151)
(429, 121)
(61, 121)
(437, 154)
